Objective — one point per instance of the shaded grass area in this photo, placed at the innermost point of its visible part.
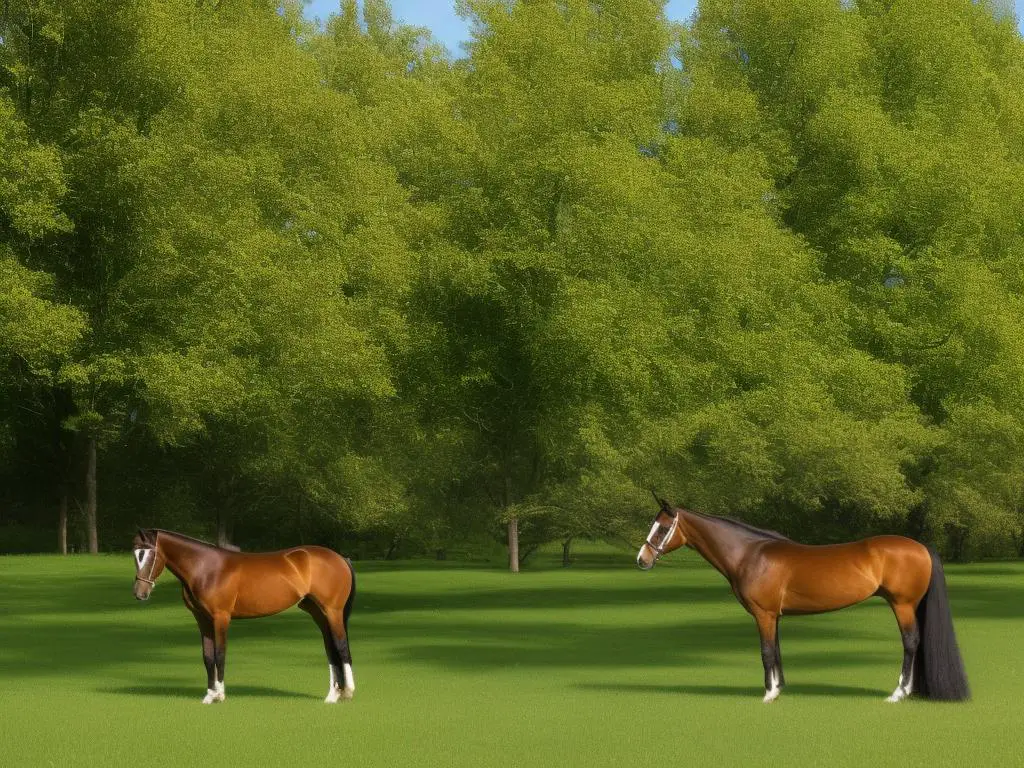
(593, 665)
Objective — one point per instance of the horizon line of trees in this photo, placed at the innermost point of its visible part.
(272, 283)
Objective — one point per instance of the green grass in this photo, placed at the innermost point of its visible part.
(595, 665)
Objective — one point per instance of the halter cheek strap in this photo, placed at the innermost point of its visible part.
(138, 573)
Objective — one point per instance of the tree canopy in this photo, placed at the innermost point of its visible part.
(269, 281)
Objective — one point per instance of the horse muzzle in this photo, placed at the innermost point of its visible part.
(645, 565)
(142, 591)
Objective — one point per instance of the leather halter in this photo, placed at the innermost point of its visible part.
(152, 567)
(659, 550)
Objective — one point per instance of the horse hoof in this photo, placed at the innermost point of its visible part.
(347, 693)
(212, 697)
(770, 697)
(336, 695)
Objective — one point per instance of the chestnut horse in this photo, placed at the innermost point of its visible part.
(773, 576)
(218, 585)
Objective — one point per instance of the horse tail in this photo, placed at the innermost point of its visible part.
(351, 596)
(938, 668)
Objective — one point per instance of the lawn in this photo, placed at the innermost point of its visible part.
(594, 665)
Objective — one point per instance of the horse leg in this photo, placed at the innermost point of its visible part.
(334, 663)
(767, 627)
(220, 649)
(911, 635)
(206, 631)
(339, 634)
(778, 656)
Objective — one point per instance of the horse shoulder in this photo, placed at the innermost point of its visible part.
(761, 576)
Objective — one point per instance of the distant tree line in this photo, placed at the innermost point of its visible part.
(272, 283)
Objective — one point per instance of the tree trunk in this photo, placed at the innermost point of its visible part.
(566, 548)
(62, 524)
(90, 496)
(513, 529)
(513, 544)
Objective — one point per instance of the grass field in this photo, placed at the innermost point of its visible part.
(595, 665)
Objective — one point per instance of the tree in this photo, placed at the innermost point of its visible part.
(233, 287)
(901, 167)
(37, 332)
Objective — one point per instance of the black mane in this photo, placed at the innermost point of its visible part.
(763, 533)
(187, 538)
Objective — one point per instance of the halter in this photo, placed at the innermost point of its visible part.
(138, 572)
(659, 550)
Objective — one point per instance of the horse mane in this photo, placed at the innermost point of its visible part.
(193, 539)
(762, 533)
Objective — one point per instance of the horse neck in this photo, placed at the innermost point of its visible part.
(181, 554)
(717, 542)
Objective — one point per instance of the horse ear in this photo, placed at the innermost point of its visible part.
(145, 536)
(665, 506)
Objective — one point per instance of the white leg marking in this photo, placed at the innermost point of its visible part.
(773, 693)
(902, 689)
(899, 694)
(350, 682)
(214, 694)
(333, 692)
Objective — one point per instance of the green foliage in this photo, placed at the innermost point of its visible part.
(329, 283)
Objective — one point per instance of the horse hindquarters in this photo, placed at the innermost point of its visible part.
(938, 667)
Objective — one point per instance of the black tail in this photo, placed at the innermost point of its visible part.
(351, 596)
(938, 669)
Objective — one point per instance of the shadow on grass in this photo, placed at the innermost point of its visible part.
(439, 641)
(68, 596)
(692, 645)
(982, 591)
(178, 691)
(740, 691)
(461, 627)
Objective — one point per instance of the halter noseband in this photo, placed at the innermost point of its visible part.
(152, 567)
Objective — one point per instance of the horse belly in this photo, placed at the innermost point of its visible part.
(827, 589)
(264, 594)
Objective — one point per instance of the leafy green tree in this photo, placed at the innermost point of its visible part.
(894, 141)
(38, 333)
(232, 242)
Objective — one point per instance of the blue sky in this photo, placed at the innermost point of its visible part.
(439, 15)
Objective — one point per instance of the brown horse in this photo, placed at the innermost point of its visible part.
(773, 576)
(219, 585)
